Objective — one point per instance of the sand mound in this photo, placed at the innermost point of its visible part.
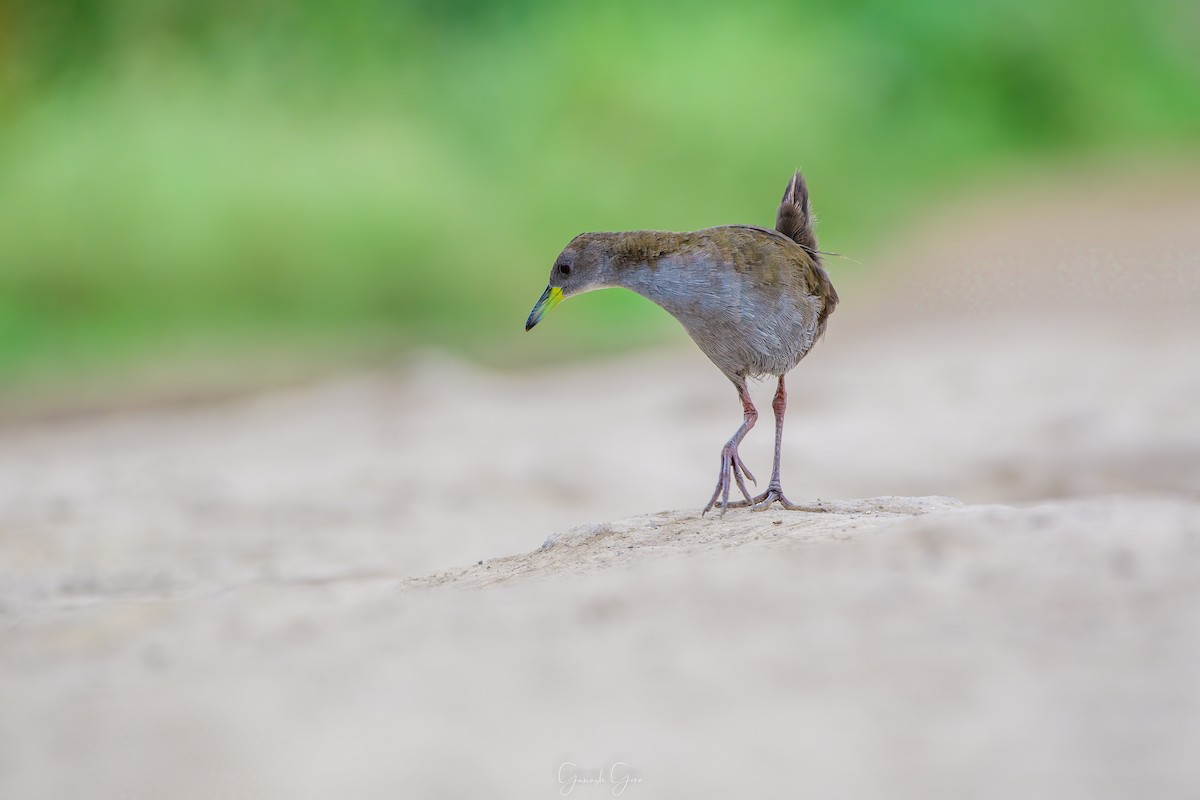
(907, 647)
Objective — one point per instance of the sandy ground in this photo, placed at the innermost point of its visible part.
(437, 581)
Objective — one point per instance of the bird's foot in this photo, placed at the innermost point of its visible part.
(773, 494)
(732, 470)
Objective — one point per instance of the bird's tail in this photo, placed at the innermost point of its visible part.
(795, 218)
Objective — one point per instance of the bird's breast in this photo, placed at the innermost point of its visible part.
(746, 320)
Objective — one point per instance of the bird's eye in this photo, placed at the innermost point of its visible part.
(564, 269)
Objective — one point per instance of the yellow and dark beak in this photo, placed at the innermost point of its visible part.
(549, 299)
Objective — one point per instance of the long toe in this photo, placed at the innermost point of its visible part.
(739, 464)
(749, 502)
(775, 495)
(732, 470)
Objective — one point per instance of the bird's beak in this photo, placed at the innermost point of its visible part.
(549, 299)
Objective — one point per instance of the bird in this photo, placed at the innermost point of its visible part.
(754, 300)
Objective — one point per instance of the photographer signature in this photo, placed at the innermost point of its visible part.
(618, 775)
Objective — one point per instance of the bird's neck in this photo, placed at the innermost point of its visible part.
(646, 262)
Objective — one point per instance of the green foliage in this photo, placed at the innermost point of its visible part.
(298, 172)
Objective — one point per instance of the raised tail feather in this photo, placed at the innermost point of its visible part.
(795, 219)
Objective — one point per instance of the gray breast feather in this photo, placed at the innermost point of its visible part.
(743, 327)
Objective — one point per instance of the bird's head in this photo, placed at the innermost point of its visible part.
(584, 264)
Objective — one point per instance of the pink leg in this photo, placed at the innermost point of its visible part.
(774, 492)
(732, 468)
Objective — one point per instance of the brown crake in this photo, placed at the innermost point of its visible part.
(754, 300)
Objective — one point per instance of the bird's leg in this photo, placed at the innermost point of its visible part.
(774, 492)
(732, 468)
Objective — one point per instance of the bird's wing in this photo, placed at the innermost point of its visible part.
(757, 229)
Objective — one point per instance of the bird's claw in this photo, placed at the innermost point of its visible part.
(773, 494)
(731, 465)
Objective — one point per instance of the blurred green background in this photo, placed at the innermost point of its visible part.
(187, 181)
